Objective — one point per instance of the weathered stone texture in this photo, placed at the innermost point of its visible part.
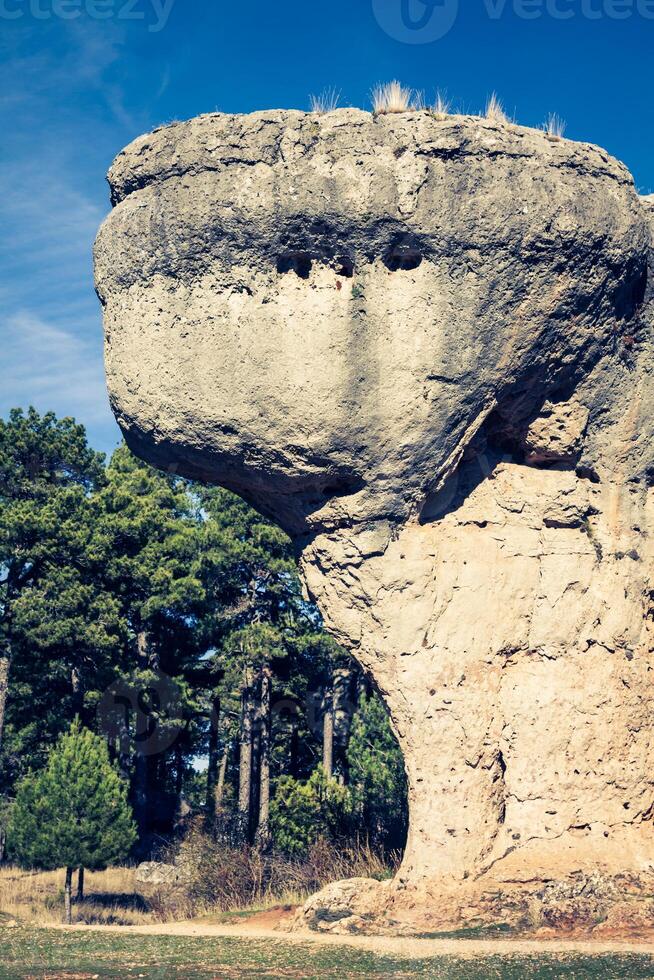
(425, 348)
(510, 640)
(295, 391)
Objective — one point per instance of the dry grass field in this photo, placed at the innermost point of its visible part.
(216, 881)
(112, 898)
(31, 906)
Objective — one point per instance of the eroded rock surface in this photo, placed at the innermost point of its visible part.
(424, 347)
(511, 642)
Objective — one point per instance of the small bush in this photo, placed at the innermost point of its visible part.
(495, 110)
(554, 126)
(302, 812)
(391, 97)
(327, 101)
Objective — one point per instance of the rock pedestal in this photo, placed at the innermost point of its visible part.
(510, 639)
(424, 347)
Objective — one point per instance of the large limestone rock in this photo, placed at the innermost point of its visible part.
(424, 347)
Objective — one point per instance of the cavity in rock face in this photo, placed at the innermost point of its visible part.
(424, 347)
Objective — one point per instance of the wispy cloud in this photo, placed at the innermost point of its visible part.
(52, 200)
(50, 322)
(165, 82)
(51, 65)
(52, 368)
(51, 349)
(66, 107)
(50, 226)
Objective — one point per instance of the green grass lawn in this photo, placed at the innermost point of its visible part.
(47, 953)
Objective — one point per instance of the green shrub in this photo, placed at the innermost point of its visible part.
(305, 812)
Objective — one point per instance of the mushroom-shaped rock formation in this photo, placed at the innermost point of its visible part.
(424, 347)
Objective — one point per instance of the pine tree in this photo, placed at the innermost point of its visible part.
(305, 812)
(47, 472)
(377, 776)
(74, 813)
(151, 537)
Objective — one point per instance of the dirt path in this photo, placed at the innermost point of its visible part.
(403, 947)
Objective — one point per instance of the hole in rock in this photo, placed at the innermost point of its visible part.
(587, 473)
(345, 267)
(339, 485)
(402, 258)
(298, 262)
(343, 486)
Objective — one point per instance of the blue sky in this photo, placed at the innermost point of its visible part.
(81, 78)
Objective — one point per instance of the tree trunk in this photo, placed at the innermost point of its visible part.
(344, 706)
(122, 747)
(5, 663)
(214, 755)
(179, 771)
(141, 794)
(254, 798)
(78, 692)
(141, 768)
(364, 686)
(220, 785)
(328, 734)
(80, 885)
(145, 656)
(67, 896)
(294, 749)
(263, 829)
(245, 755)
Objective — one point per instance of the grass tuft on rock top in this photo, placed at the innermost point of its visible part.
(327, 101)
(391, 97)
(495, 110)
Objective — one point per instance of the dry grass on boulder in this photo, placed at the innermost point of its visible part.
(554, 126)
(327, 101)
(391, 97)
(441, 106)
(495, 110)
